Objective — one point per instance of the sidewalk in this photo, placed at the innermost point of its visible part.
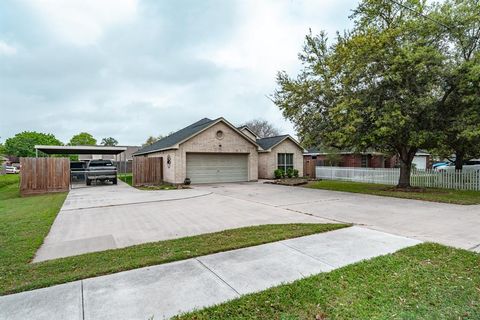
(166, 290)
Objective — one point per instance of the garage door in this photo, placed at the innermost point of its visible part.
(207, 168)
(420, 162)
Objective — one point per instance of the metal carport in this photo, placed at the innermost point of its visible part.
(75, 150)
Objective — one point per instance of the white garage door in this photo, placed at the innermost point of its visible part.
(420, 162)
(215, 167)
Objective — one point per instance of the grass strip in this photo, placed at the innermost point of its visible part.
(463, 197)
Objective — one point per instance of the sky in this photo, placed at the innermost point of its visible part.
(130, 69)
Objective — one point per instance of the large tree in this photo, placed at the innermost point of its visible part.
(23, 144)
(110, 141)
(82, 139)
(460, 23)
(262, 128)
(378, 85)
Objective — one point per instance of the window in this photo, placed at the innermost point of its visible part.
(364, 161)
(285, 161)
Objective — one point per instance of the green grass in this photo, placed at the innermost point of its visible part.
(128, 179)
(428, 281)
(24, 222)
(429, 194)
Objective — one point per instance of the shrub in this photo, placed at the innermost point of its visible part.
(289, 172)
(295, 173)
(279, 174)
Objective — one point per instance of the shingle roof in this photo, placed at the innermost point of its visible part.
(177, 137)
(269, 142)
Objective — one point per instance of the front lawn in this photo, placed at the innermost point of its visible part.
(427, 281)
(429, 194)
(24, 223)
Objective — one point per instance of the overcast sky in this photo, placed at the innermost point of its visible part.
(131, 69)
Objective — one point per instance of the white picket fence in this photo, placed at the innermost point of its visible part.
(461, 180)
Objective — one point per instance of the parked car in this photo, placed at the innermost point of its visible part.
(12, 170)
(439, 164)
(77, 170)
(473, 164)
(100, 170)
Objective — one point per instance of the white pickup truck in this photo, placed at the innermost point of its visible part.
(100, 170)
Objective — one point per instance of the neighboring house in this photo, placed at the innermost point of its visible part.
(367, 159)
(127, 156)
(216, 151)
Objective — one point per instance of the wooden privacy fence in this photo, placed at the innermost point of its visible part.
(147, 171)
(449, 179)
(44, 175)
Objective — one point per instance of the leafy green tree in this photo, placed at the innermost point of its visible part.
(460, 27)
(151, 140)
(378, 85)
(110, 141)
(82, 139)
(23, 144)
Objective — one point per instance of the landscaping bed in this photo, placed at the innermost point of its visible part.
(463, 197)
(289, 181)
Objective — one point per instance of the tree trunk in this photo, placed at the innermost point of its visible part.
(459, 157)
(406, 158)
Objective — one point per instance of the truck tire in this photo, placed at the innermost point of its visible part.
(89, 182)
(114, 181)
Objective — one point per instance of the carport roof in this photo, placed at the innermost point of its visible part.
(80, 149)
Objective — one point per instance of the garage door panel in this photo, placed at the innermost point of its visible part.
(207, 168)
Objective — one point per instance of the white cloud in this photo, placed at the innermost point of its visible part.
(83, 22)
(6, 49)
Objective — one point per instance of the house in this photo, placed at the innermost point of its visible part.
(368, 159)
(216, 151)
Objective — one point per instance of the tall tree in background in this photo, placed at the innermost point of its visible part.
(110, 141)
(262, 128)
(460, 23)
(377, 86)
(82, 139)
(23, 144)
(151, 140)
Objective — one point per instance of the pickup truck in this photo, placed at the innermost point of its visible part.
(100, 170)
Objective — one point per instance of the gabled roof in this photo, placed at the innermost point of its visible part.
(171, 141)
(270, 142)
(247, 128)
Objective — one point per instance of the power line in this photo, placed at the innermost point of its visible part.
(420, 14)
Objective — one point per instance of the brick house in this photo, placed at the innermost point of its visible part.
(210, 151)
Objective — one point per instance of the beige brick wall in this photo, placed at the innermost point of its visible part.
(207, 142)
(267, 161)
(168, 172)
(232, 142)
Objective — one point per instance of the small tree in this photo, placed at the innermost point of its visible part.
(262, 128)
(82, 139)
(110, 141)
(23, 144)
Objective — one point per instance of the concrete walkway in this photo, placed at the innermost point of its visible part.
(166, 290)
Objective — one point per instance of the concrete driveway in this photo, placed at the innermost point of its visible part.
(453, 225)
(110, 217)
